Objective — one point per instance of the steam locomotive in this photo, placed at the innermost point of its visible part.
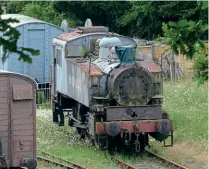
(115, 95)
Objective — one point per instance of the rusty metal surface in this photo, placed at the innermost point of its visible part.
(82, 30)
(68, 36)
(77, 166)
(131, 86)
(91, 29)
(79, 76)
(150, 66)
(19, 117)
(141, 126)
(123, 164)
(54, 163)
(131, 113)
(85, 66)
(160, 163)
(164, 160)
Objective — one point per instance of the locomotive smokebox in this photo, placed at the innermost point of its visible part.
(131, 86)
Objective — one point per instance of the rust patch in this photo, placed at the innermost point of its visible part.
(150, 66)
(141, 125)
(85, 65)
(80, 31)
(68, 36)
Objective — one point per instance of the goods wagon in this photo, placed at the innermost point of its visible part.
(115, 95)
(17, 120)
(35, 34)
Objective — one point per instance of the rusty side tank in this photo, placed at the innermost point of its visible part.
(17, 120)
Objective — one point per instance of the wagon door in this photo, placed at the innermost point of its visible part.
(22, 120)
(36, 40)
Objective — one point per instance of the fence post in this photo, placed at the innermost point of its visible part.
(153, 53)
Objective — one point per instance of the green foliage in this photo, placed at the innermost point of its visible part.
(16, 6)
(187, 106)
(183, 35)
(144, 19)
(9, 39)
(100, 12)
(42, 10)
(85, 52)
(201, 63)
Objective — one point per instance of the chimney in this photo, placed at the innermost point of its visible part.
(64, 25)
(88, 22)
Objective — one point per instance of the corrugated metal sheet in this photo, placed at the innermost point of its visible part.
(76, 79)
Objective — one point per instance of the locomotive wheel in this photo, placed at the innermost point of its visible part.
(31, 164)
(70, 122)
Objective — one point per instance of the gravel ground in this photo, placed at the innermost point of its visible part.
(44, 165)
(44, 112)
(150, 163)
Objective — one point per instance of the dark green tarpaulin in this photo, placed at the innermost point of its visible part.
(126, 54)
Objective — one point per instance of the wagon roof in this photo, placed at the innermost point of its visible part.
(4, 72)
(73, 35)
(23, 20)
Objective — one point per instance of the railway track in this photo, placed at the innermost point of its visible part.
(164, 162)
(57, 161)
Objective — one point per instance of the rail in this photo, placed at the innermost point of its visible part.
(163, 160)
(171, 163)
(123, 164)
(68, 165)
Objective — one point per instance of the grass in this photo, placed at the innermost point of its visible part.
(187, 106)
(52, 140)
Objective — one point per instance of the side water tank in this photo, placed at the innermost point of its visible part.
(106, 44)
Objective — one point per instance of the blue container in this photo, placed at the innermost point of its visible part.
(35, 34)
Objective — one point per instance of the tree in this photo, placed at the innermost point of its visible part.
(9, 38)
(185, 37)
(145, 18)
(42, 10)
(101, 12)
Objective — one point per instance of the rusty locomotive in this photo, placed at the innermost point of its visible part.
(115, 95)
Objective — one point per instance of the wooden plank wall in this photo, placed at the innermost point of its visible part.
(184, 64)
